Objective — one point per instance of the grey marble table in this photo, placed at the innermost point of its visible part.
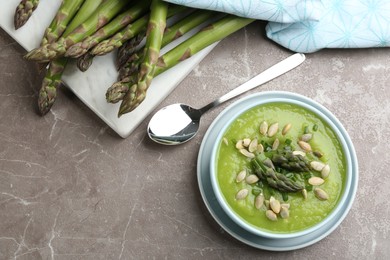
(70, 188)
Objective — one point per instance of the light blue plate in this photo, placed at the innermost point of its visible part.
(208, 195)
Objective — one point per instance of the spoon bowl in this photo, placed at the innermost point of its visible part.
(174, 124)
(179, 123)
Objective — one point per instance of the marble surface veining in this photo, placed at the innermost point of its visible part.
(70, 188)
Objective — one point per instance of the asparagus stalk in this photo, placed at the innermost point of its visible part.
(115, 25)
(128, 49)
(60, 22)
(171, 33)
(62, 18)
(274, 179)
(154, 34)
(118, 90)
(103, 14)
(24, 11)
(207, 36)
(48, 92)
(119, 38)
(129, 32)
(87, 8)
(185, 25)
(291, 162)
(85, 61)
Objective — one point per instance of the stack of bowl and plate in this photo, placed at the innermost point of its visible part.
(230, 220)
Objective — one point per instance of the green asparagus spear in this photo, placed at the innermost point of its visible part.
(211, 34)
(274, 179)
(186, 24)
(60, 22)
(287, 160)
(171, 33)
(62, 18)
(115, 25)
(24, 11)
(85, 61)
(48, 91)
(118, 90)
(86, 10)
(128, 49)
(116, 41)
(154, 34)
(129, 32)
(103, 14)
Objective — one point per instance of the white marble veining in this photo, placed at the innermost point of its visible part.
(91, 86)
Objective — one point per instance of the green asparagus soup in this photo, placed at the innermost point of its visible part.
(280, 168)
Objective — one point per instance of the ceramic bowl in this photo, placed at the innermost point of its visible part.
(323, 113)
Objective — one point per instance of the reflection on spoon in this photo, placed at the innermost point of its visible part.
(179, 123)
(174, 124)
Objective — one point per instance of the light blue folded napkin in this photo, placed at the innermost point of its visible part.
(310, 25)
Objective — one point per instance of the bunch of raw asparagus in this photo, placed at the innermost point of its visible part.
(83, 29)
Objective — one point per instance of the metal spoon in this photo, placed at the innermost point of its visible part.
(179, 123)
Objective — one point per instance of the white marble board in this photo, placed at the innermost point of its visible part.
(91, 86)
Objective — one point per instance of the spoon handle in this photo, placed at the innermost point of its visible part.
(265, 76)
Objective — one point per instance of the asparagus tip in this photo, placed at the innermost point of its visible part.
(46, 99)
(102, 48)
(35, 55)
(19, 22)
(122, 110)
(23, 12)
(116, 92)
(125, 108)
(75, 51)
(84, 62)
